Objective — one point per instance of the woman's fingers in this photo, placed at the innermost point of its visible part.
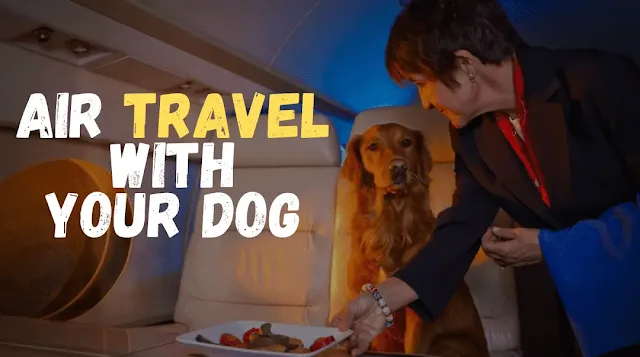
(505, 233)
(359, 315)
(345, 318)
(500, 261)
(493, 255)
(353, 341)
(493, 247)
(346, 321)
(497, 258)
(360, 344)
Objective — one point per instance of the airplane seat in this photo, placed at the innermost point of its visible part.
(493, 289)
(266, 278)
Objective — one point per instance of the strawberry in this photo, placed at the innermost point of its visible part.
(228, 339)
(250, 335)
(322, 342)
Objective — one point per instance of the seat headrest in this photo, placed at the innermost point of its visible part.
(433, 125)
(262, 151)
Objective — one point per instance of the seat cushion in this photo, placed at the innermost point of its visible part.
(267, 278)
(264, 278)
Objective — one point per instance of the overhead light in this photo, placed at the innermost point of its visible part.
(43, 34)
(185, 86)
(78, 47)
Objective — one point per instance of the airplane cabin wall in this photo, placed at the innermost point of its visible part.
(147, 289)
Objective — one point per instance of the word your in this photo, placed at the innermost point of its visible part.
(213, 115)
(166, 217)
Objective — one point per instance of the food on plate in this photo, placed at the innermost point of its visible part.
(272, 348)
(322, 342)
(264, 339)
(250, 335)
(203, 339)
(228, 339)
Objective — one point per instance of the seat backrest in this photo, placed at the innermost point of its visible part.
(492, 288)
(267, 278)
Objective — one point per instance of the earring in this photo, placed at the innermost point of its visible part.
(472, 79)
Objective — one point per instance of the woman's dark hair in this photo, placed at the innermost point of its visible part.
(427, 33)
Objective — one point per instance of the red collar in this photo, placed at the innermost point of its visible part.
(518, 86)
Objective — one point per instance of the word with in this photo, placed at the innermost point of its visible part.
(129, 164)
(166, 217)
(213, 115)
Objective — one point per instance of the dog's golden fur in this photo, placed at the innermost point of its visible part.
(391, 223)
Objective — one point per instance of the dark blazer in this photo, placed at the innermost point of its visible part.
(584, 125)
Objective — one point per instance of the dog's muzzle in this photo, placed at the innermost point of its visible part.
(398, 172)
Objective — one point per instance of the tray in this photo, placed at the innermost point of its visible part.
(307, 334)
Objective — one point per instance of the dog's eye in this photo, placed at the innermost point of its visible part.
(372, 146)
(406, 143)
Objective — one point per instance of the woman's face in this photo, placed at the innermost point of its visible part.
(457, 103)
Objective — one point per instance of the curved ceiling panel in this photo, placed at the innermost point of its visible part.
(339, 50)
(336, 47)
(254, 29)
(606, 25)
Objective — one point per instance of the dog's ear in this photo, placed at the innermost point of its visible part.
(352, 168)
(423, 150)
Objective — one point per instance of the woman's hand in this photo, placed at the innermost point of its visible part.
(365, 318)
(512, 247)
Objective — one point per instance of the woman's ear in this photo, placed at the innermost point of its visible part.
(352, 169)
(466, 62)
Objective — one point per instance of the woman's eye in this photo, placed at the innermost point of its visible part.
(372, 146)
(406, 143)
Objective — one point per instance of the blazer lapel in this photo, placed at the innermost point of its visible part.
(547, 137)
(548, 109)
(505, 165)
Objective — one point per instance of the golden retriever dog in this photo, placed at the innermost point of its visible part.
(389, 167)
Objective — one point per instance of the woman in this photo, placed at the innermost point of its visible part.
(550, 136)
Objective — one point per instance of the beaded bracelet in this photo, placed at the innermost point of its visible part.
(388, 316)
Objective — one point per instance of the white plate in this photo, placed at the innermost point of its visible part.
(307, 334)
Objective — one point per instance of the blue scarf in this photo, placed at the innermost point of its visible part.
(595, 266)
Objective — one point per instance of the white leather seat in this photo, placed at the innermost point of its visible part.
(493, 289)
(267, 278)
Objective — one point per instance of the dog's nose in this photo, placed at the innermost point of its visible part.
(398, 170)
(398, 165)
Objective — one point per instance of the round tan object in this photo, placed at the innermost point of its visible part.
(43, 276)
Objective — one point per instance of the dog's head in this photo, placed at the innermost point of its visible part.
(389, 157)
(390, 164)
